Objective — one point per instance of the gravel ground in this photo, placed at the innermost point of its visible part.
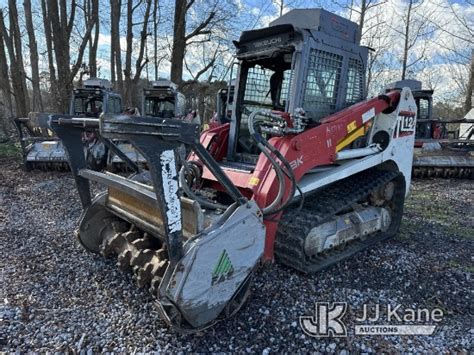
(56, 296)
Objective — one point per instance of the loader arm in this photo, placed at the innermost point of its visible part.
(381, 114)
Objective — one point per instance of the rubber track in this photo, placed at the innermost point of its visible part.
(322, 206)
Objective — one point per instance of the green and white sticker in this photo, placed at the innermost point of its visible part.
(222, 269)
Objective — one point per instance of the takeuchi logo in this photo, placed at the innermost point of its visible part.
(267, 42)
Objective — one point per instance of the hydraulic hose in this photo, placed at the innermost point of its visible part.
(263, 145)
(188, 191)
(289, 173)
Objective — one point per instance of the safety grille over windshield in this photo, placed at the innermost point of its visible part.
(355, 82)
(322, 82)
(257, 88)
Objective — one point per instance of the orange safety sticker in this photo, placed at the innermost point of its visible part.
(254, 181)
(351, 126)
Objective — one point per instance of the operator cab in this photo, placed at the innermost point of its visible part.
(309, 59)
(163, 100)
(94, 98)
(225, 103)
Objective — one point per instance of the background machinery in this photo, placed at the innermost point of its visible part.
(281, 181)
(443, 147)
(224, 106)
(161, 100)
(42, 149)
(164, 100)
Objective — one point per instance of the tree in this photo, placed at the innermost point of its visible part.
(61, 29)
(156, 20)
(12, 40)
(116, 52)
(5, 89)
(33, 49)
(372, 33)
(456, 39)
(92, 16)
(468, 104)
(131, 79)
(49, 49)
(416, 29)
(181, 39)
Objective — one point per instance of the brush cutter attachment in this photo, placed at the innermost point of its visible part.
(197, 261)
(40, 148)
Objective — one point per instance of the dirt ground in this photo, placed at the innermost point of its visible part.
(56, 296)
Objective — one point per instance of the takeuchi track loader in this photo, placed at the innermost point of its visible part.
(161, 100)
(284, 180)
(41, 148)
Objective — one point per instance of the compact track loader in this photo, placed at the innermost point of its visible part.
(224, 106)
(284, 180)
(161, 100)
(43, 150)
(439, 151)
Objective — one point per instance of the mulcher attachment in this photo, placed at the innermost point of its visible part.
(40, 148)
(140, 252)
(198, 268)
(444, 160)
(102, 232)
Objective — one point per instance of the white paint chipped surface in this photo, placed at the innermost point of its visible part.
(170, 189)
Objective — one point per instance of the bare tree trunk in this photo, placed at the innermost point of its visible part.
(37, 100)
(12, 42)
(4, 81)
(49, 48)
(470, 85)
(93, 41)
(60, 40)
(112, 47)
(155, 37)
(15, 35)
(115, 6)
(62, 26)
(5, 89)
(127, 90)
(179, 41)
(131, 81)
(140, 63)
(363, 10)
(406, 40)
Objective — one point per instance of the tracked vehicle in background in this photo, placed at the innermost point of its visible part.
(161, 100)
(439, 150)
(224, 106)
(282, 181)
(41, 148)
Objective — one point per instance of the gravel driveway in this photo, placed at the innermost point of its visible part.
(56, 296)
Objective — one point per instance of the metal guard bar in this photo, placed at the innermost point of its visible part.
(158, 140)
(140, 129)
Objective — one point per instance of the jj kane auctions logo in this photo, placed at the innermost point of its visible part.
(328, 320)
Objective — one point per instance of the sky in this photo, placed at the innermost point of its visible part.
(436, 47)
